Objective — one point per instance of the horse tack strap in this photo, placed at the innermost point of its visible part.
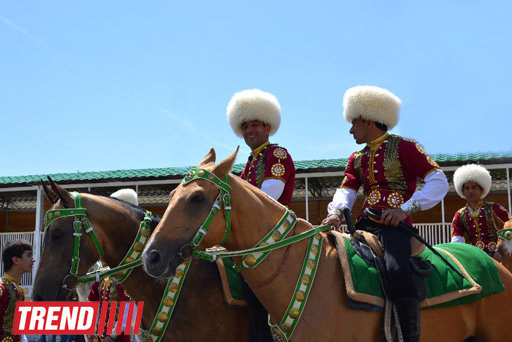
(167, 304)
(223, 199)
(216, 254)
(198, 173)
(52, 215)
(135, 251)
(505, 234)
(131, 259)
(280, 231)
(284, 330)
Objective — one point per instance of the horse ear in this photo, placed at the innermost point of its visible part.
(223, 168)
(48, 193)
(65, 196)
(208, 159)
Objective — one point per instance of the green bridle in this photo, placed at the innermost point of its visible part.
(505, 233)
(223, 199)
(80, 225)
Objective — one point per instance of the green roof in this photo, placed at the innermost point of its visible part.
(303, 166)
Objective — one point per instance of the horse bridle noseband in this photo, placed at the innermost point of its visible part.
(80, 224)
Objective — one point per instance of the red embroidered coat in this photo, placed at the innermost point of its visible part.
(388, 169)
(10, 293)
(479, 227)
(108, 291)
(271, 162)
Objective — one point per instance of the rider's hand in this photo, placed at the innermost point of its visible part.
(392, 217)
(333, 221)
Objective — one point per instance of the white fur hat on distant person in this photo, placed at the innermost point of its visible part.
(127, 195)
(371, 103)
(472, 173)
(253, 104)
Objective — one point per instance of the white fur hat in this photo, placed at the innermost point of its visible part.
(127, 195)
(371, 103)
(472, 173)
(253, 104)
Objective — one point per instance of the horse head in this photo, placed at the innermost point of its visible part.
(189, 206)
(58, 247)
(504, 247)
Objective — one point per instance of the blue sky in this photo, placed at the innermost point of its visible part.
(107, 85)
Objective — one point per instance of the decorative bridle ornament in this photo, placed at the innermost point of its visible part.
(252, 257)
(505, 234)
(131, 260)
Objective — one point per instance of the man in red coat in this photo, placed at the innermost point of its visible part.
(18, 260)
(477, 222)
(108, 290)
(387, 168)
(255, 115)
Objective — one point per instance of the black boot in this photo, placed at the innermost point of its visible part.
(408, 310)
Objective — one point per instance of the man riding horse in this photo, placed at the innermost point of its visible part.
(388, 168)
(478, 221)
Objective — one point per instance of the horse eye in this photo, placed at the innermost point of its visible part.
(57, 233)
(197, 198)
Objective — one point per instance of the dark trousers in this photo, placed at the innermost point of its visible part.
(397, 258)
(403, 290)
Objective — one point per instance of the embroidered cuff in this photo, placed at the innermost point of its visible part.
(410, 207)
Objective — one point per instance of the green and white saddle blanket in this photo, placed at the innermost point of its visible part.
(444, 286)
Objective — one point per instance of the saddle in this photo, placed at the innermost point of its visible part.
(366, 281)
(444, 287)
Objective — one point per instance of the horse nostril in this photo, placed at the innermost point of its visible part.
(154, 258)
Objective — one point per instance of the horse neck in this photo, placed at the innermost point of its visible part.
(117, 227)
(254, 214)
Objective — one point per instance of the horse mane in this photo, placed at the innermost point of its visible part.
(138, 211)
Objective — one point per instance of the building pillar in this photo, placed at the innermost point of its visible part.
(508, 191)
(38, 229)
(307, 196)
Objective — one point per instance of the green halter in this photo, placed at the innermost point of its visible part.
(505, 234)
(223, 199)
(79, 225)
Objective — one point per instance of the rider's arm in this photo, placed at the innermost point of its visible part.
(434, 190)
(343, 198)
(456, 238)
(273, 187)
(457, 229)
(346, 195)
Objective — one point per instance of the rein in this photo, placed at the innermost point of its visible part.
(252, 257)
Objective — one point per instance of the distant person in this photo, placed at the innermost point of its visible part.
(477, 222)
(105, 291)
(18, 260)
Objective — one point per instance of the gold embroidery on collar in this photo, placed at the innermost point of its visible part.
(258, 150)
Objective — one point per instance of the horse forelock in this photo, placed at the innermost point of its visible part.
(507, 246)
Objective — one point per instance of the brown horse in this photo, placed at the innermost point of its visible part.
(201, 313)
(326, 316)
